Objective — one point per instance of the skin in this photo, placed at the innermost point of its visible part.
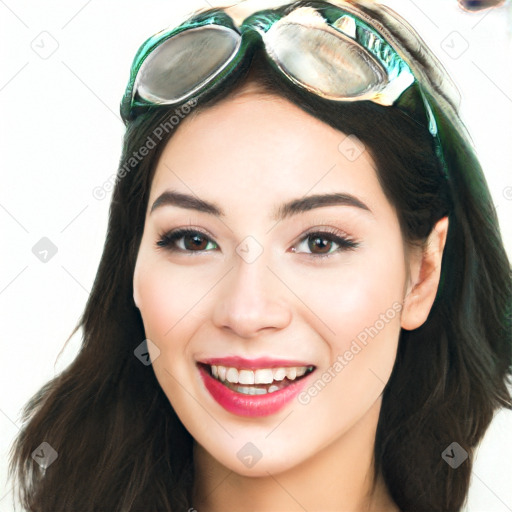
(248, 154)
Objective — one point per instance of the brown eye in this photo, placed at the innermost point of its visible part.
(194, 241)
(320, 243)
(185, 240)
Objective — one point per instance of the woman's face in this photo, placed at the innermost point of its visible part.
(296, 260)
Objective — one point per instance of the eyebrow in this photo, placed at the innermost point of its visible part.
(288, 209)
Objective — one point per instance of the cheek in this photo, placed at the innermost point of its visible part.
(363, 294)
(361, 308)
(163, 298)
(173, 301)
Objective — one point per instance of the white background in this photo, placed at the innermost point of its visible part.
(61, 137)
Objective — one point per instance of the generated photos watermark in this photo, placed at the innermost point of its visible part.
(357, 345)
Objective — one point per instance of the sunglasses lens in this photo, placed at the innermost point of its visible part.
(183, 63)
(331, 64)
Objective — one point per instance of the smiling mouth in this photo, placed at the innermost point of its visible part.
(256, 382)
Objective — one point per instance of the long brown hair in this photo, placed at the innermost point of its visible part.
(120, 445)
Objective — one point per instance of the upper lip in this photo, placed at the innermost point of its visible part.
(253, 364)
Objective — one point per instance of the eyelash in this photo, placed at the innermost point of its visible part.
(167, 240)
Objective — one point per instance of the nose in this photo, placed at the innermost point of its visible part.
(253, 299)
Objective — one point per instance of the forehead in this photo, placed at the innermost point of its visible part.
(255, 148)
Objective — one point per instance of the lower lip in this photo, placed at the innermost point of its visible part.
(251, 405)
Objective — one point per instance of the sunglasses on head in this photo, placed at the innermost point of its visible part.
(319, 47)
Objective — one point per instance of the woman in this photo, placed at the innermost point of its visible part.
(341, 339)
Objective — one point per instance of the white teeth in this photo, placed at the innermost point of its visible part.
(245, 376)
(279, 374)
(291, 373)
(271, 389)
(250, 390)
(260, 376)
(232, 375)
(301, 371)
(222, 372)
(263, 376)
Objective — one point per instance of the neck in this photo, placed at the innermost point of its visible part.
(340, 477)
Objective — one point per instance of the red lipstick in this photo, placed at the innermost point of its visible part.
(243, 404)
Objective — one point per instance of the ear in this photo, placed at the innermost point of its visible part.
(425, 272)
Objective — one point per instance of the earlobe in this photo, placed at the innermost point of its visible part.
(425, 279)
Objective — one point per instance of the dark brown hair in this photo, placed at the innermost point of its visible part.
(120, 445)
